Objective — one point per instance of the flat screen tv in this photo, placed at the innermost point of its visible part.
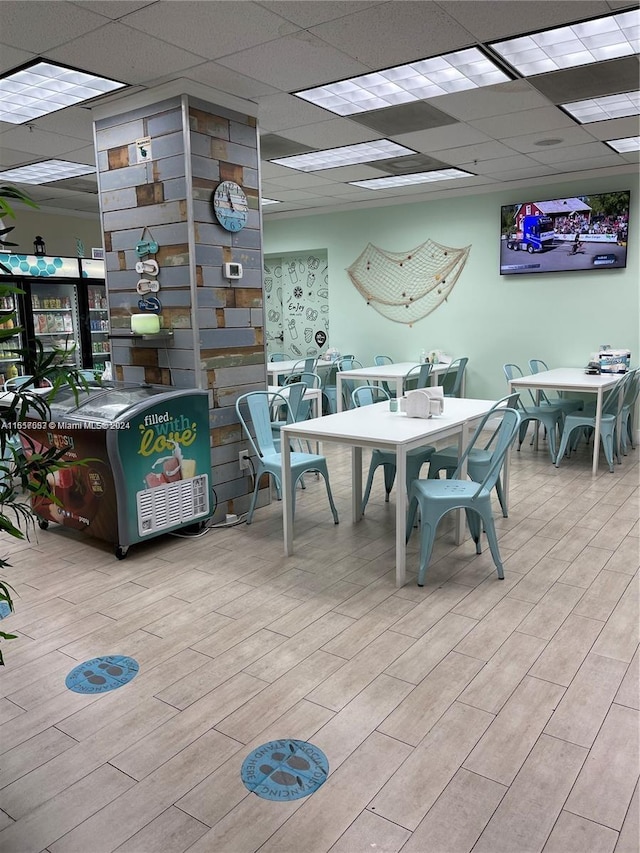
(586, 232)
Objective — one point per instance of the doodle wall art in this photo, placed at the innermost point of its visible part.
(297, 303)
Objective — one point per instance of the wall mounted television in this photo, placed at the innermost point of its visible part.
(585, 232)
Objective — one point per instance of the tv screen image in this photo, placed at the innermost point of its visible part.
(586, 232)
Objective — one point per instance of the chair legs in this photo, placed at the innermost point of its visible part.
(478, 518)
(378, 458)
(607, 432)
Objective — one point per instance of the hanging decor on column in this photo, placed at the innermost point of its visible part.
(406, 286)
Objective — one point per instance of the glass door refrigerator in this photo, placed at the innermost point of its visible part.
(63, 309)
(92, 272)
(11, 363)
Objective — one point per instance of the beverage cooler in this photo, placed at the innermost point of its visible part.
(63, 308)
(11, 365)
(147, 463)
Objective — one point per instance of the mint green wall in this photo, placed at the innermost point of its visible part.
(492, 319)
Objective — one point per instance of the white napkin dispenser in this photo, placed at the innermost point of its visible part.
(423, 402)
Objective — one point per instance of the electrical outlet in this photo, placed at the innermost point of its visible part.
(243, 460)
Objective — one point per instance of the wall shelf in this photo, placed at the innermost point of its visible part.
(163, 334)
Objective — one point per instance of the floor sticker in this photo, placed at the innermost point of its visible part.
(101, 674)
(5, 610)
(284, 769)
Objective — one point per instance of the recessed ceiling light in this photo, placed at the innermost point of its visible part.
(609, 106)
(625, 145)
(44, 87)
(407, 180)
(46, 171)
(577, 44)
(265, 201)
(417, 81)
(347, 155)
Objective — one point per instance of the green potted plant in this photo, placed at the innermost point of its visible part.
(22, 479)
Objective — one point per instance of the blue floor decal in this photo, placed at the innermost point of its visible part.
(5, 610)
(284, 769)
(101, 674)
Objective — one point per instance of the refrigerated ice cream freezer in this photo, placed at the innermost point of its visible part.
(140, 461)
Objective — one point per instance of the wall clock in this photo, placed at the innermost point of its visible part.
(230, 205)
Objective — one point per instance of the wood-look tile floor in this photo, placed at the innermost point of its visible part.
(471, 714)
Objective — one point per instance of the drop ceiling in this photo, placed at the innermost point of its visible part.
(506, 135)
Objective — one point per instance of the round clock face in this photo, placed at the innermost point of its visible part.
(230, 206)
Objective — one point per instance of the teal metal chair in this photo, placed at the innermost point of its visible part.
(435, 498)
(379, 360)
(365, 395)
(549, 416)
(537, 365)
(478, 459)
(611, 411)
(348, 362)
(418, 377)
(451, 380)
(255, 408)
(628, 412)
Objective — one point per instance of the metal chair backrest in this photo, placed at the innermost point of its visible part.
(505, 435)
(379, 360)
(348, 362)
(513, 371)
(305, 365)
(278, 356)
(420, 375)
(537, 365)
(452, 378)
(259, 405)
(311, 380)
(508, 402)
(366, 395)
(614, 398)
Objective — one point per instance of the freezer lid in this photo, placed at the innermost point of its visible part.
(111, 404)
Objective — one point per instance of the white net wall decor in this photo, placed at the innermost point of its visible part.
(406, 286)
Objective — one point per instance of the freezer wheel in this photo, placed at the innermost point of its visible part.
(121, 552)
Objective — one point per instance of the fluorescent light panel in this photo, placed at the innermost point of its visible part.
(265, 201)
(417, 81)
(625, 145)
(416, 178)
(347, 155)
(609, 106)
(577, 44)
(46, 171)
(42, 88)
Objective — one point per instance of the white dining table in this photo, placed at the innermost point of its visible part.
(572, 379)
(393, 374)
(284, 368)
(377, 427)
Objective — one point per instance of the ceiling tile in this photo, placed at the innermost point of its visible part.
(273, 146)
(311, 12)
(343, 174)
(495, 167)
(533, 173)
(39, 143)
(589, 81)
(490, 21)
(527, 142)
(224, 80)
(615, 128)
(40, 26)
(114, 9)
(123, 54)
(409, 165)
(12, 156)
(73, 121)
(562, 155)
(294, 62)
(211, 30)
(11, 58)
(511, 97)
(528, 121)
(333, 133)
(282, 111)
(440, 138)
(493, 150)
(404, 118)
(394, 33)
